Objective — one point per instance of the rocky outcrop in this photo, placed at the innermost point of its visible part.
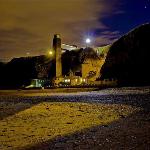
(128, 59)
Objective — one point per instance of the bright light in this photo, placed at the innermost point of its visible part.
(88, 41)
(84, 80)
(50, 53)
(66, 80)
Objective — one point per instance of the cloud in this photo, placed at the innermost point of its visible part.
(107, 37)
(32, 23)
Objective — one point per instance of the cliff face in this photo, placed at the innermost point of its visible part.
(73, 60)
(128, 59)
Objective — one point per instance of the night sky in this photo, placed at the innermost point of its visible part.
(27, 26)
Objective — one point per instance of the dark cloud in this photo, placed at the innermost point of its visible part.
(15, 34)
(106, 37)
(17, 42)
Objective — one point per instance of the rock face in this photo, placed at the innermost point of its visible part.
(128, 59)
(92, 64)
(74, 60)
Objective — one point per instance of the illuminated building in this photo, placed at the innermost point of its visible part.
(68, 47)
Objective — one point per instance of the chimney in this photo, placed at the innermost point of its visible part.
(57, 50)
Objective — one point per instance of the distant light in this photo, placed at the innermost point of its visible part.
(88, 41)
(66, 80)
(50, 53)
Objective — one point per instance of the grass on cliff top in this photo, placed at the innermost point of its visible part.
(47, 120)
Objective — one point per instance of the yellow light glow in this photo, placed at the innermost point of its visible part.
(50, 53)
(48, 120)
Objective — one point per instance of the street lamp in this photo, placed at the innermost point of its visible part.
(50, 53)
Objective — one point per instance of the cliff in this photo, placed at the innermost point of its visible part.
(128, 59)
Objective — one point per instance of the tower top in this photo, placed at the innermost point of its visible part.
(56, 35)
